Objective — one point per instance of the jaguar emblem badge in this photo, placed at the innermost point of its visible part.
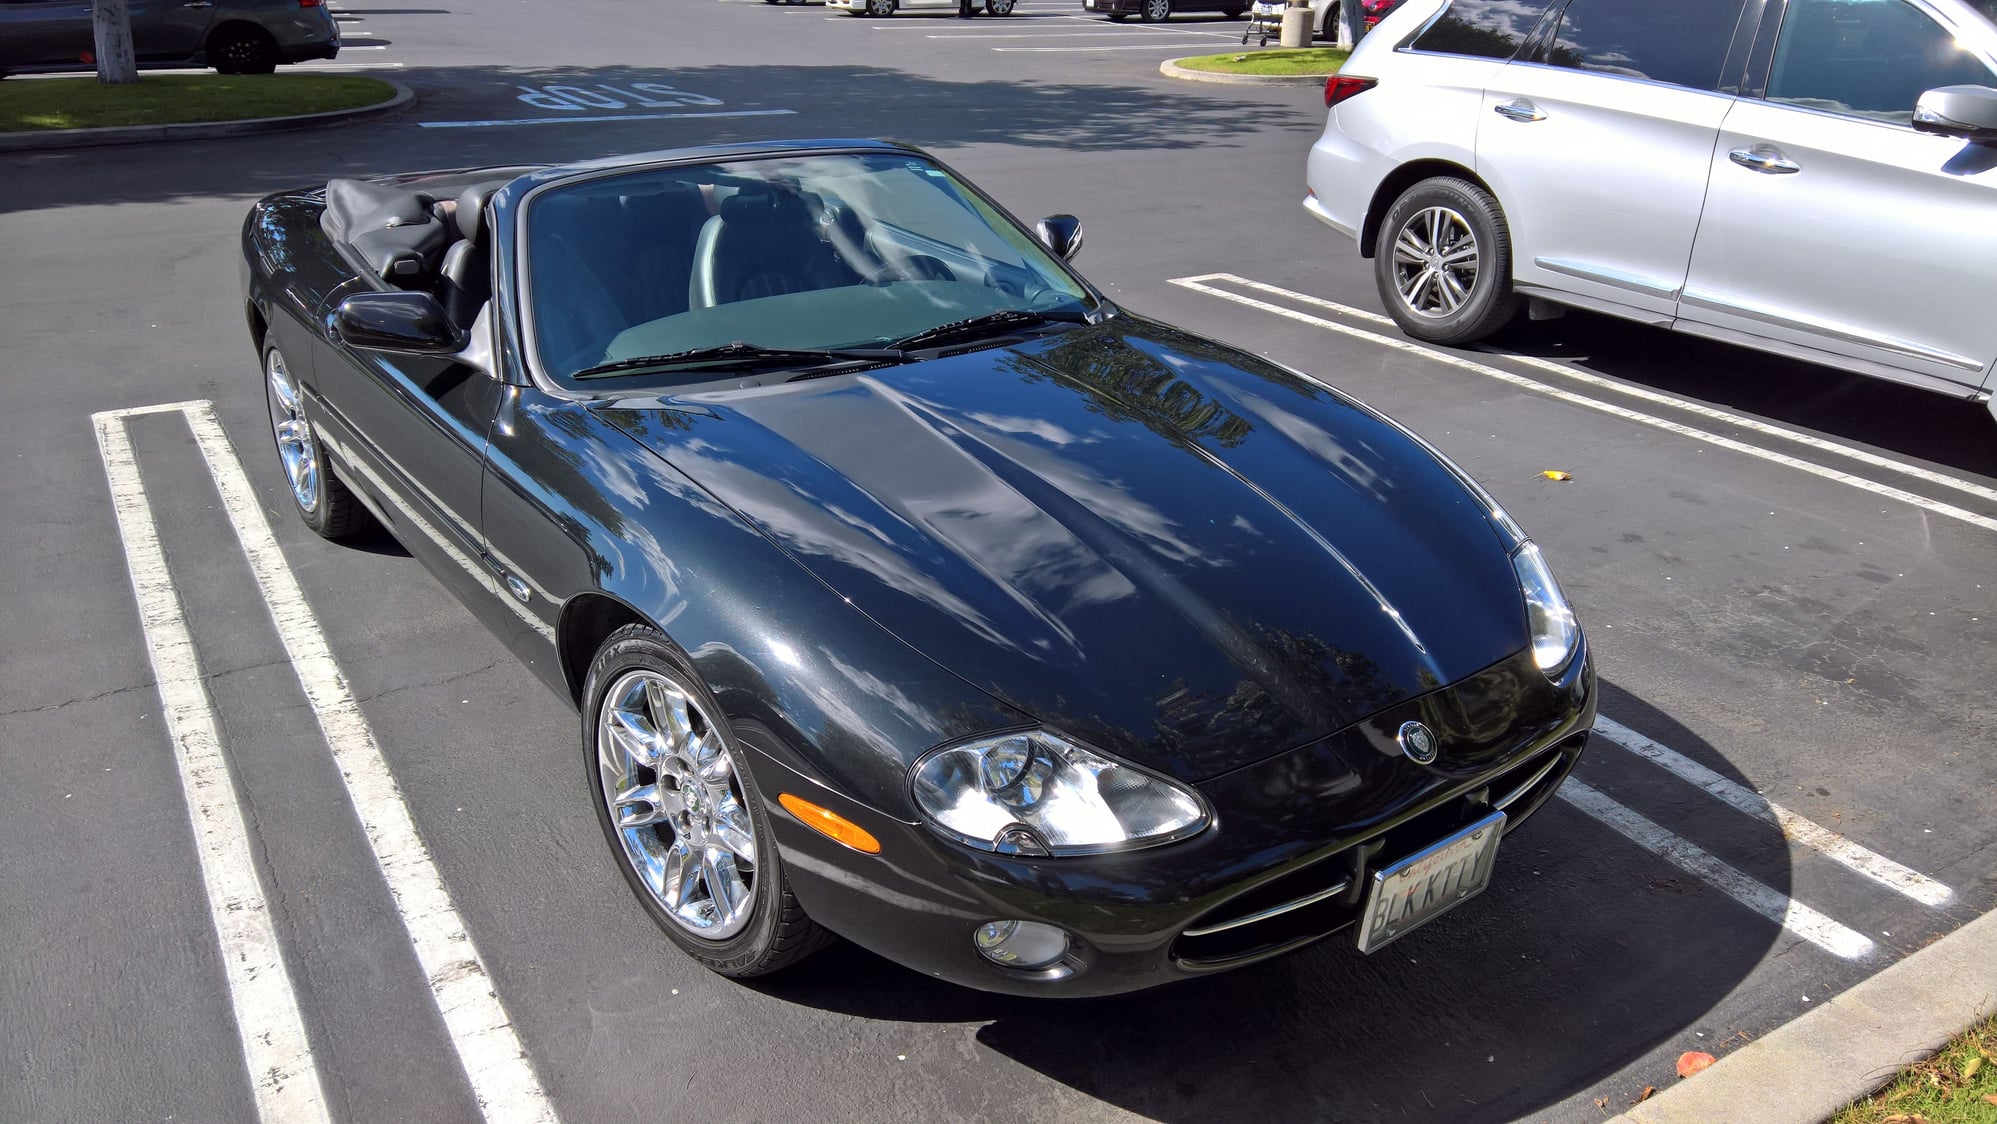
(1418, 742)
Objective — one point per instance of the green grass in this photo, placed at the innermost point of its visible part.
(1953, 1087)
(30, 104)
(1308, 60)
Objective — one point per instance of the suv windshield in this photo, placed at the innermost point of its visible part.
(804, 253)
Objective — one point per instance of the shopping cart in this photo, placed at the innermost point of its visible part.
(1265, 19)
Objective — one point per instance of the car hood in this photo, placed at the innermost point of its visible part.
(1163, 546)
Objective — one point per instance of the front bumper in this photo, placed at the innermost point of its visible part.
(1285, 830)
(1107, 7)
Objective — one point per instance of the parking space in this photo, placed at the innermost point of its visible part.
(289, 835)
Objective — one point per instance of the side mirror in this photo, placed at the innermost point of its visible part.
(1061, 234)
(1969, 112)
(404, 322)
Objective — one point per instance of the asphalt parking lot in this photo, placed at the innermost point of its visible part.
(1786, 574)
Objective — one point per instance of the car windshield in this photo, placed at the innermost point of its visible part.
(802, 253)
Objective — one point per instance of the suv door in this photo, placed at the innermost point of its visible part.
(1598, 147)
(1830, 223)
(169, 30)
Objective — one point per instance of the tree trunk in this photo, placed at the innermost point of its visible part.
(112, 25)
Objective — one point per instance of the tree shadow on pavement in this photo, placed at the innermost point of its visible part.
(787, 102)
(1588, 953)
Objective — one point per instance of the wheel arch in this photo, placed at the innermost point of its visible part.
(238, 27)
(587, 620)
(1398, 181)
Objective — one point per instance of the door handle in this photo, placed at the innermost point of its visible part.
(198, 4)
(1519, 109)
(1764, 158)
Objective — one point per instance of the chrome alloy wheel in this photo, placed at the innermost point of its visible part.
(677, 803)
(1435, 261)
(296, 445)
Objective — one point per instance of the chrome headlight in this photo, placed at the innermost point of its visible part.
(1036, 793)
(1555, 634)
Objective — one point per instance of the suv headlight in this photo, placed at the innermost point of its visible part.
(1555, 634)
(1037, 793)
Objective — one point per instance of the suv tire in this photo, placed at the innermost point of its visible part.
(1443, 262)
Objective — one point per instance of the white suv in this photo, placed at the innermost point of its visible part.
(1816, 178)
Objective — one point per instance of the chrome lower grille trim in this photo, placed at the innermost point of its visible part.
(1272, 911)
(1553, 761)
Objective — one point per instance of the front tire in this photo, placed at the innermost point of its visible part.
(1155, 11)
(999, 7)
(682, 813)
(318, 495)
(881, 9)
(1443, 262)
(1118, 17)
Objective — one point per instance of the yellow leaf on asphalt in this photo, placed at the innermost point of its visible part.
(1556, 474)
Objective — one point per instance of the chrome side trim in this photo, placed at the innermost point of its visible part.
(1719, 302)
(1613, 277)
(1508, 799)
(1272, 911)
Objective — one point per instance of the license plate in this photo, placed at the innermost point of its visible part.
(1429, 883)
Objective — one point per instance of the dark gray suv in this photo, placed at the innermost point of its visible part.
(233, 36)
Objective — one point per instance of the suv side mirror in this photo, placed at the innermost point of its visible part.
(1063, 233)
(1969, 112)
(409, 323)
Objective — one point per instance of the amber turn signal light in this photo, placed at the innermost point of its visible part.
(830, 823)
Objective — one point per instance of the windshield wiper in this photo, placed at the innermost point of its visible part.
(979, 326)
(742, 355)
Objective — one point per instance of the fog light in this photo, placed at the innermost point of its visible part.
(1020, 944)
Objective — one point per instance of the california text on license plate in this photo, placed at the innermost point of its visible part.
(1427, 884)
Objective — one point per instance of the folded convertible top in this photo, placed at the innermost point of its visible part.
(389, 225)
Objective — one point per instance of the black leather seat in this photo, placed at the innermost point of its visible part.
(762, 243)
(464, 281)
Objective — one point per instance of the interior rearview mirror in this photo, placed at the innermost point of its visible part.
(405, 322)
(1969, 112)
(1063, 234)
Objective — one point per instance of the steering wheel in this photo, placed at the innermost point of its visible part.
(920, 267)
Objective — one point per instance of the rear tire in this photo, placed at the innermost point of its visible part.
(695, 787)
(999, 7)
(1155, 11)
(242, 49)
(881, 9)
(1443, 262)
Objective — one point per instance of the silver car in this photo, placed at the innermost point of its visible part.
(1815, 178)
(233, 36)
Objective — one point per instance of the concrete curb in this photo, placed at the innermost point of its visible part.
(1170, 69)
(54, 139)
(1809, 1068)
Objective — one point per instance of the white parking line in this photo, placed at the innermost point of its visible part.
(494, 1060)
(1796, 828)
(1785, 911)
(1936, 507)
(284, 1078)
(1864, 456)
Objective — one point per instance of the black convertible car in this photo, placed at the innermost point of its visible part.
(908, 588)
